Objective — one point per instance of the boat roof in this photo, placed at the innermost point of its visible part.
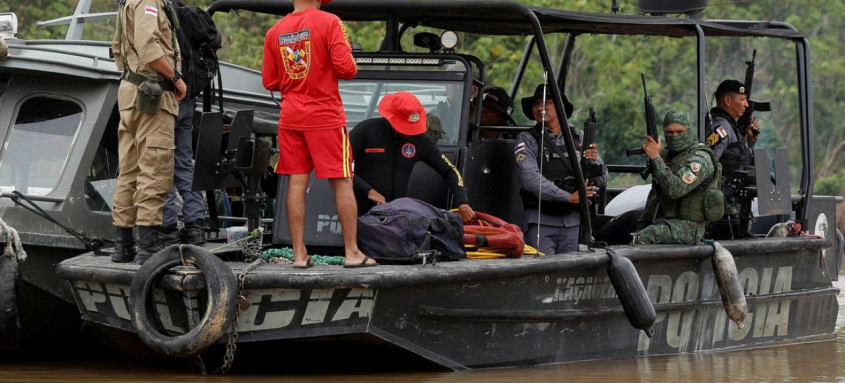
(512, 18)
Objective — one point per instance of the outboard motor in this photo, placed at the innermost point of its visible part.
(631, 292)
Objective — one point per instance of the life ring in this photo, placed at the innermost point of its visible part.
(10, 326)
(222, 287)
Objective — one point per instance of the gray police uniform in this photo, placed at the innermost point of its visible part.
(193, 208)
(558, 233)
(728, 144)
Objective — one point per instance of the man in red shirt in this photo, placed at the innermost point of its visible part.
(305, 54)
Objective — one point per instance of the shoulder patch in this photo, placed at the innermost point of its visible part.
(695, 166)
(713, 139)
(721, 131)
(689, 177)
(519, 147)
(520, 157)
(150, 10)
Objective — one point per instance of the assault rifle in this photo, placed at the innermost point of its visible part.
(589, 170)
(753, 106)
(651, 129)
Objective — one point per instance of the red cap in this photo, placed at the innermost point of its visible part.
(404, 112)
(326, 1)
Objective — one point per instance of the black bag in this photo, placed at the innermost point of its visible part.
(406, 230)
(198, 43)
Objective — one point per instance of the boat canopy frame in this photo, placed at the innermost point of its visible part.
(512, 18)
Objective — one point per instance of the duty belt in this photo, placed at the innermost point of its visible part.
(138, 80)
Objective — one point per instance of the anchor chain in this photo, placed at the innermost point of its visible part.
(242, 303)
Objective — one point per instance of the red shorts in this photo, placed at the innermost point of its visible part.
(327, 151)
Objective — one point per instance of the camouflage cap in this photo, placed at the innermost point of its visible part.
(677, 117)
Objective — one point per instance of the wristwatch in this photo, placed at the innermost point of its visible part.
(176, 77)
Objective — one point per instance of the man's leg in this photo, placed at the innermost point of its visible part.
(295, 203)
(347, 213)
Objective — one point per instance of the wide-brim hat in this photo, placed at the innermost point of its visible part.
(404, 112)
(528, 102)
(498, 99)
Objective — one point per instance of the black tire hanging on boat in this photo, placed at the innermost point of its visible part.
(222, 287)
(10, 327)
(631, 292)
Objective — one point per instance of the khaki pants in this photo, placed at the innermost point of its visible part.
(145, 152)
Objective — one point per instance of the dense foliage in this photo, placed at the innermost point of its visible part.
(604, 70)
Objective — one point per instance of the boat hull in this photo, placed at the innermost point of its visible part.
(504, 313)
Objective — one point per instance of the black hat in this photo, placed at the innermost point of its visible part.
(498, 99)
(730, 86)
(528, 102)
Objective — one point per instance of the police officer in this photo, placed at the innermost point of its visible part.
(733, 148)
(496, 109)
(144, 47)
(386, 149)
(557, 218)
(687, 193)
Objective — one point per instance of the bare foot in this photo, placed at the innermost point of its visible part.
(357, 258)
(300, 257)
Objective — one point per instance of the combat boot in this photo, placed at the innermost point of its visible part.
(169, 235)
(194, 233)
(124, 245)
(148, 243)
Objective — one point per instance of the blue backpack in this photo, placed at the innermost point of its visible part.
(407, 230)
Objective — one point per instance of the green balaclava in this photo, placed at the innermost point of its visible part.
(680, 143)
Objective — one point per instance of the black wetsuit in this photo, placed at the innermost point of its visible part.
(384, 161)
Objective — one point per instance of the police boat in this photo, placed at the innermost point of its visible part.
(618, 301)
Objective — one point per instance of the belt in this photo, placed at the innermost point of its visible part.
(138, 80)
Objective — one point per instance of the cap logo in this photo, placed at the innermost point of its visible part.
(414, 117)
(742, 90)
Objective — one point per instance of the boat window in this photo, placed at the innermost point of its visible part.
(442, 101)
(102, 176)
(38, 146)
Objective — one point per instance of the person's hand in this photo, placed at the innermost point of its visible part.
(651, 147)
(591, 154)
(181, 89)
(466, 213)
(376, 197)
(575, 198)
(753, 130)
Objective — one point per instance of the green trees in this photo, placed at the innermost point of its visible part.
(605, 70)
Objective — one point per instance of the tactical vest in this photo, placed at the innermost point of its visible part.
(556, 169)
(736, 156)
(705, 202)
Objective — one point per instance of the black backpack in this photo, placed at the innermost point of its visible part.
(407, 230)
(198, 43)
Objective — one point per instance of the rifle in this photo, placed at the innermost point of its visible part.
(589, 170)
(651, 129)
(753, 106)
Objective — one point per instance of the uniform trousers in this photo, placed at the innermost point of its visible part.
(145, 163)
(193, 208)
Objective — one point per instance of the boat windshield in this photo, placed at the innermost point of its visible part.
(442, 101)
(36, 149)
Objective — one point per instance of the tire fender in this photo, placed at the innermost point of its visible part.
(220, 306)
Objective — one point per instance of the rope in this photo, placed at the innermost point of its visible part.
(14, 248)
(287, 253)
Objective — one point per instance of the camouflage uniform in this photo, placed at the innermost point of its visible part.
(677, 202)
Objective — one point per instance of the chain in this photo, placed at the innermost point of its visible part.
(241, 304)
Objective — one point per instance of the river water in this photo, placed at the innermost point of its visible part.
(815, 362)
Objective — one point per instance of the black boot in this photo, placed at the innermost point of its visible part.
(124, 245)
(169, 235)
(148, 243)
(194, 233)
